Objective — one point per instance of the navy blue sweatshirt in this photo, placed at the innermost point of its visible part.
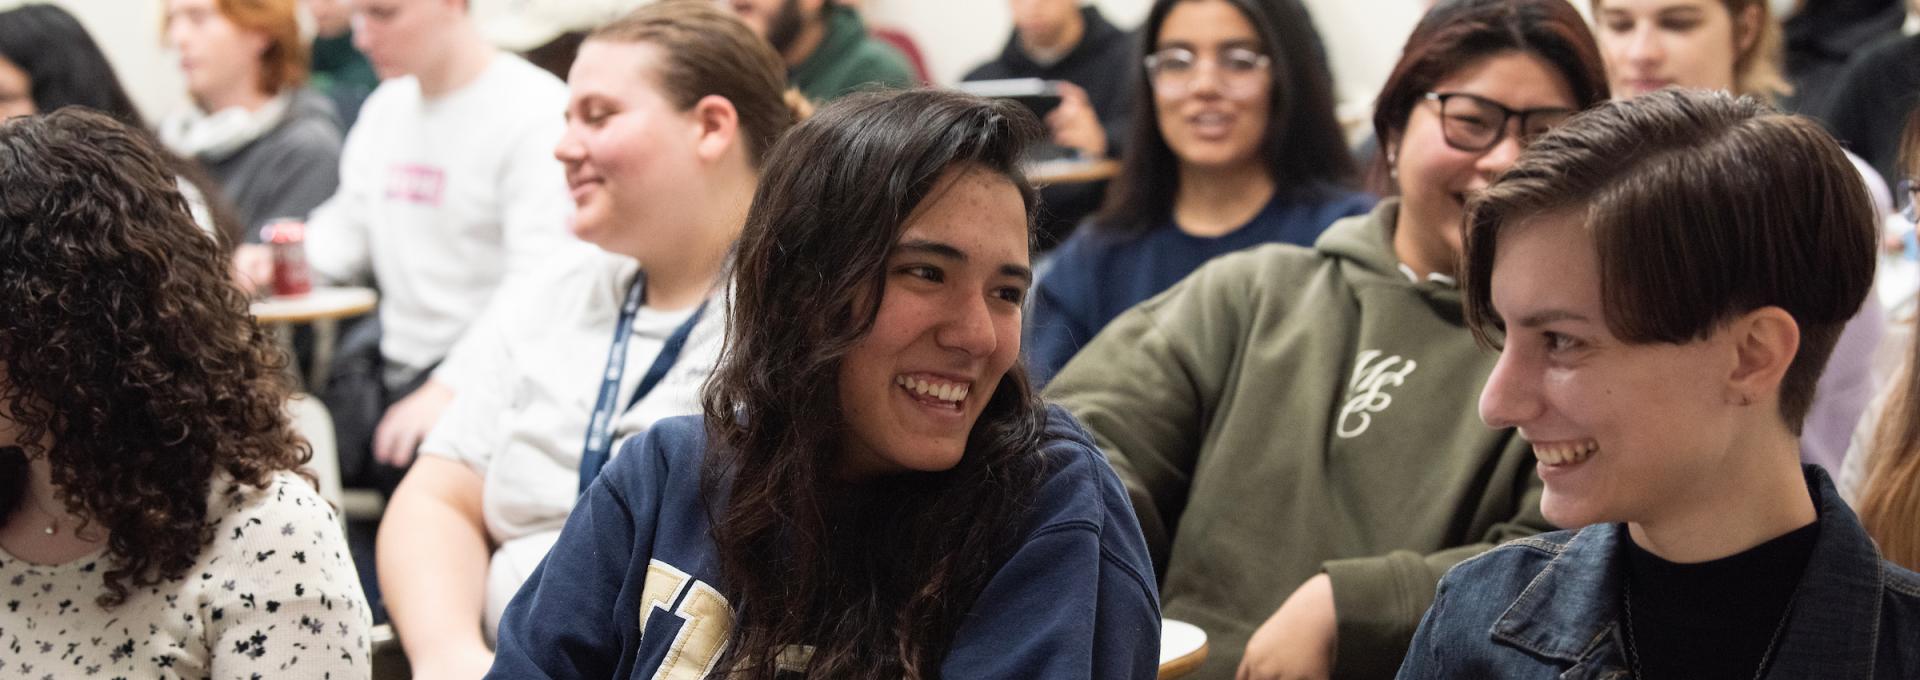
(632, 589)
(1098, 273)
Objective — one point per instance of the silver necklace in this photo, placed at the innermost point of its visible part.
(1633, 648)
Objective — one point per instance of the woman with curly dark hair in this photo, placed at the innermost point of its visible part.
(152, 515)
(875, 491)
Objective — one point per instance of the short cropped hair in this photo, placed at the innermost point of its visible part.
(1702, 207)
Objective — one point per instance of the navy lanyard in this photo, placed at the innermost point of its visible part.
(599, 443)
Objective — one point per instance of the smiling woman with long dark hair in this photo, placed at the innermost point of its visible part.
(875, 492)
(1234, 145)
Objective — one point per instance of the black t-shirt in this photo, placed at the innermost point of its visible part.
(1713, 619)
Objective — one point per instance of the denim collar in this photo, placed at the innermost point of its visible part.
(1570, 611)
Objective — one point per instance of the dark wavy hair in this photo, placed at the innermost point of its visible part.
(65, 67)
(130, 361)
(1455, 33)
(876, 578)
(1302, 149)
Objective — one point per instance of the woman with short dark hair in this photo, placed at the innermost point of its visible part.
(154, 520)
(1666, 277)
(874, 491)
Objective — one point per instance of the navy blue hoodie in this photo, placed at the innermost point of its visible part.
(632, 589)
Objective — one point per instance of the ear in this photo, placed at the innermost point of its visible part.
(1746, 28)
(717, 126)
(1765, 342)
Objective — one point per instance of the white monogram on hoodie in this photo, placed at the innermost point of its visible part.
(1367, 397)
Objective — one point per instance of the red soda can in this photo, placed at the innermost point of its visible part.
(287, 239)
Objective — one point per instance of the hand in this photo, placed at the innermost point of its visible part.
(253, 268)
(1074, 123)
(1297, 642)
(408, 421)
(472, 665)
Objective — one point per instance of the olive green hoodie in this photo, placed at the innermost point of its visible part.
(1285, 411)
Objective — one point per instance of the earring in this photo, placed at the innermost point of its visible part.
(1393, 168)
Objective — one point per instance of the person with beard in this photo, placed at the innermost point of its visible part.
(826, 46)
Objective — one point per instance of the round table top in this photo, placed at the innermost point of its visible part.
(1182, 647)
(324, 302)
(1072, 171)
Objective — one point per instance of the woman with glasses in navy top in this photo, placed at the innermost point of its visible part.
(1239, 147)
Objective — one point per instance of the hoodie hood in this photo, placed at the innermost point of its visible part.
(1363, 244)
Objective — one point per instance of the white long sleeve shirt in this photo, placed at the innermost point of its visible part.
(442, 199)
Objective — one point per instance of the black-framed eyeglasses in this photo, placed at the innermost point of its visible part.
(1471, 122)
(1174, 70)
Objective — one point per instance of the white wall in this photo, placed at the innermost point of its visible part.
(1363, 36)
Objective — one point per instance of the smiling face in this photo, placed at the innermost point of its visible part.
(16, 91)
(1213, 124)
(948, 329)
(1623, 432)
(628, 152)
(1651, 44)
(215, 55)
(1436, 179)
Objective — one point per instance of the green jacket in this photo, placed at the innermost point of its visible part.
(1285, 411)
(849, 60)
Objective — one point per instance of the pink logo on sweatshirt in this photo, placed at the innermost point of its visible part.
(413, 183)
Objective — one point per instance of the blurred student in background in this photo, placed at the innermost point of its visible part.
(1239, 147)
(1090, 60)
(447, 188)
(1881, 475)
(339, 69)
(273, 144)
(48, 61)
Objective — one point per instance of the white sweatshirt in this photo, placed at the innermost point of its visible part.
(441, 199)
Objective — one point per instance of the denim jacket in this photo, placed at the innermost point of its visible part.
(1548, 607)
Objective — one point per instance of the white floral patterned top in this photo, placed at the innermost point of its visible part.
(275, 595)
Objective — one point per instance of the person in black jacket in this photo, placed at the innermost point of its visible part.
(1059, 40)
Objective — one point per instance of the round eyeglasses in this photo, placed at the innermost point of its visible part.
(1474, 123)
(1238, 71)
